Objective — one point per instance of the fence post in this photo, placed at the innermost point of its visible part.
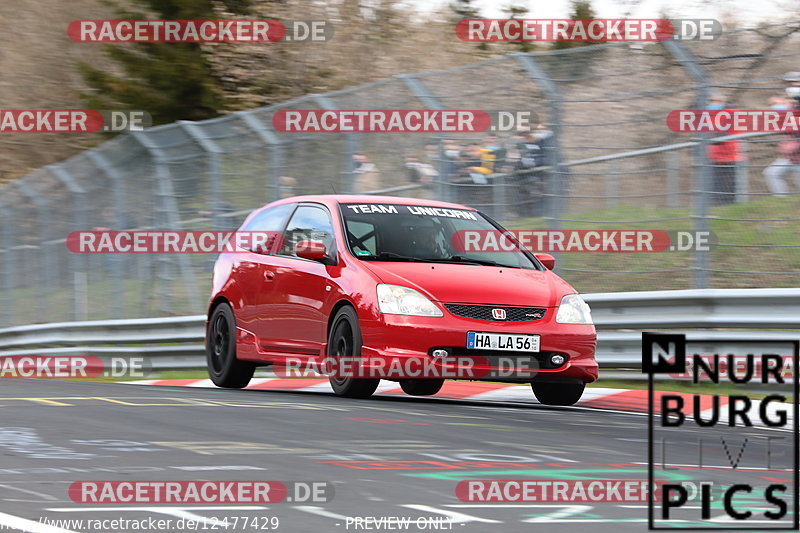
(7, 243)
(612, 184)
(557, 182)
(557, 188)
(702, 166)
(742, 177)
(213, 170)
(118, 199)
(431, 101)
(351, 144)
(45, 270)
(171, 213)
(673, 179)
(77, 261)
(499, 197)
(269, 138)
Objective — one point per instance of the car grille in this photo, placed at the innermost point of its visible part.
(484, 312)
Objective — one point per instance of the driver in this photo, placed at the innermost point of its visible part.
(425, 243)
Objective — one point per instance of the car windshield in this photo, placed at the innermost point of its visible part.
(429, 234)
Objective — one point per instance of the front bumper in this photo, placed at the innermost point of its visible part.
(402, 337)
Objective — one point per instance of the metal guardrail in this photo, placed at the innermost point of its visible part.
(177, 342)
(693, 309)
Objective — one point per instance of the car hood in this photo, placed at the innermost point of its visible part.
(475, 284)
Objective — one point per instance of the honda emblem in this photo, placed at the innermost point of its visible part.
(499, 314)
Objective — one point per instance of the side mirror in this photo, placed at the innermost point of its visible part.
(547, 260)
(314, 250)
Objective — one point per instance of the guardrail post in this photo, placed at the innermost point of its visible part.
(269, 138)
(77, 261)
(702, 165)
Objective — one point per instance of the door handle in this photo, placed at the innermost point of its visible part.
(269, 275)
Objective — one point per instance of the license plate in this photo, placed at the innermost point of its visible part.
(502, 341)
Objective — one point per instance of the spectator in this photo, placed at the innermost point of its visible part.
(481, 163)
(789, 148)
(419, 172)
(513, 145)
(451, 153)
(533, 154)
(724, 157)
(422, 174)
(366, 174)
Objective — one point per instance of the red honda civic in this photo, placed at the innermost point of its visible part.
(385, 281)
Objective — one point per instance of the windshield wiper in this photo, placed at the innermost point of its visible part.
(468, 261)
(391, 256)
(458, 259)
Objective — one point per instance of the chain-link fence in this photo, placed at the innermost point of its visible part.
(610, 163)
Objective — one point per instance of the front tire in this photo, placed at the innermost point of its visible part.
(421, 387)
(558, 393)
(223, 367)
(344, 340)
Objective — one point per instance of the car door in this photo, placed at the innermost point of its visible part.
(301, 286)
(255, 272)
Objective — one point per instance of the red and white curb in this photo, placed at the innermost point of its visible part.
(627, 400)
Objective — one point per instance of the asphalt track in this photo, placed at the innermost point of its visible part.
(392, 458)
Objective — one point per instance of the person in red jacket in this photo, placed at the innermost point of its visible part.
(724, 156)
(788, 161)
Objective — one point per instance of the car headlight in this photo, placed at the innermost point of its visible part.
(397, 300)
(573, 310)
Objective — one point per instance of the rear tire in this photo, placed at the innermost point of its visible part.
(421, 387)
(558, 393)
(223, 367)
(344, 340)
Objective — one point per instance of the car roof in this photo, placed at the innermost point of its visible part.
(333, 199)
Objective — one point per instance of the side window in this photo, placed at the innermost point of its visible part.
(270, 220)
(362, 237)
(308, 223)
